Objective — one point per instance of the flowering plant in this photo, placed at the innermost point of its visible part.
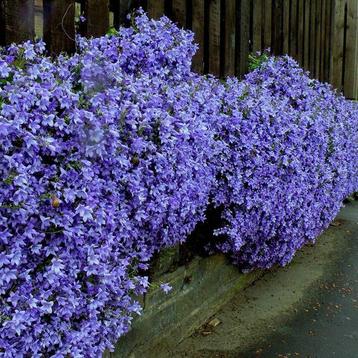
(113, 153)
(291, 157)
(101, 165)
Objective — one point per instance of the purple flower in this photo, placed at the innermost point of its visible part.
(166, 288)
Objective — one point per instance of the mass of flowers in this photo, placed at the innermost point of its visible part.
(291, 157)
(117, 151)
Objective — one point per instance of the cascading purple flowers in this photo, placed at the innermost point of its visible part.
(101, 165)
(291, 157)
(113, 153)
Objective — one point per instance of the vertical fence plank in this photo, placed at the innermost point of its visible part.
(243, 37)
(293, 29)
(337, 44)
(300, 33)
(59, 25)
(214, 37)
(323, 37)
(328, 43)
(179, 12)
(155, 8)
(318, 38)
(306, 39)
(38, 20)
(96, 13)
(351, 53)
(230, 32)
(277, 35)
(257, 21)
(267, 19)
(198, 25)
(312, 36)
(286, 26)
(17, 21)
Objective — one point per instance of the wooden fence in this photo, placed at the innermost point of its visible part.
(322, 35)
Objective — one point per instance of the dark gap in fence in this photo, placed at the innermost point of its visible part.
(168, 8)
(189, 14)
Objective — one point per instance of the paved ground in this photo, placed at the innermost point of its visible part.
(307, 309)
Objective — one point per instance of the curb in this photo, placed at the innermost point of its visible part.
(199, 289)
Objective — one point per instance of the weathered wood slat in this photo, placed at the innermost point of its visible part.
(277, 36)
(337, 44)
(351, 54)
(16, 21)
(293, 29)
(307, 37)
(286, 27)
(59, 25)
(257, 22)
(300, 33)
(155, 8)
(198, 25)
(179, 12)
(230, 32)
(243, 36)
(96, 13)
(267, 18)
(323, 36)
(214, 36)
(312, 36)
(318, 38)
(328, 42)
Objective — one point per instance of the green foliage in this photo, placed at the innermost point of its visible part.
(255, 61)
(112, 32)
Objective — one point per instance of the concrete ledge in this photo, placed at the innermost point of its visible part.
(199, 289)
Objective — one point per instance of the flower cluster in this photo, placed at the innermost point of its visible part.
(291, 157)
(101, 165)
(115, 152)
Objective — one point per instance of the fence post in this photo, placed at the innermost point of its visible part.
(243, 36)
(257, 22)
(16, 21)
(179, 12)
(277, 29)
(198, 25)
(59, 25)
(155, 8)
(96, 13)
(337, 44)
(214, 37)
(351, 51)
(230, 34)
